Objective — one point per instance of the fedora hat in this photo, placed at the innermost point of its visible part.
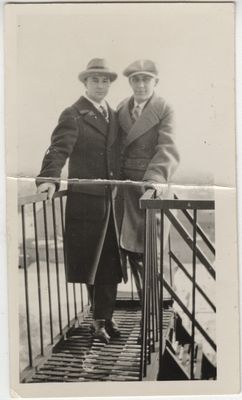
(97, 66)
(146, 67)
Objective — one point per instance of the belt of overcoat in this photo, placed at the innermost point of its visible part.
(93, 148)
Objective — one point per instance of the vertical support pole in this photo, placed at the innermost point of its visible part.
(144, 305)
(57, 266)
(26, 286)
(74, 297)
(152, 279)
(64, 254)
(132, 285)
(161, 290)
(81, 292)
(48, 271)
(193, 292)
(157, 291)
(148, 280)
(38, 279)
(170, 259)
(154, 291)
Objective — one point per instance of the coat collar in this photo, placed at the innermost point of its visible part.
(149, 117)
(91, 115)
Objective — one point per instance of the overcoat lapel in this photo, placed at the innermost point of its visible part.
(149, 117)
(125, 117)
(112, 128)
(91, 115)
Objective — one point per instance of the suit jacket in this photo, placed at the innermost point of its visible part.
(149, 154)
(93, 149)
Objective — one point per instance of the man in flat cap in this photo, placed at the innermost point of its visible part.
(150, 155)
(87, 134)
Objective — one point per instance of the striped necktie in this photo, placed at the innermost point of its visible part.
(104, 113)
(136, 112)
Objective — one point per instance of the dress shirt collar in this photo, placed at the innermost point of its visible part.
(97, 105)
(141, 105)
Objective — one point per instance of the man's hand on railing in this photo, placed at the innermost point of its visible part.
(47, 187)
(159, 190)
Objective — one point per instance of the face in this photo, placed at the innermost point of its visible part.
(97, 87)
(143, 86)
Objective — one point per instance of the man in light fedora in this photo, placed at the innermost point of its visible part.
(150, 155)
(87, 135)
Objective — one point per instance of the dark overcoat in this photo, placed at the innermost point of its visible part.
(149, 155)
(93, 148)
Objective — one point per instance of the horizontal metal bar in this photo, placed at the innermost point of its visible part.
(187, 238)
(36, 198)
(199, 229)
(172, 204)
(187, 312)
(181, 266)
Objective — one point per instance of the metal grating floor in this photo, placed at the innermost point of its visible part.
(81, 358)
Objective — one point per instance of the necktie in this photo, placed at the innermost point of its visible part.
(103, 112)
(136, 112)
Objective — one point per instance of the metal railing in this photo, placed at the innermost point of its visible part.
(43, 280)
(42, 258)
(153, 293)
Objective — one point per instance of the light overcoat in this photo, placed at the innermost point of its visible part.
(93, 148)
(149, 155)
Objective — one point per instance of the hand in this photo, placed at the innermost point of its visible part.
(159, 190)
(47, 187)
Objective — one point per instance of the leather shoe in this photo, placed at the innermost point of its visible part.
(112, 328)
(100, 331)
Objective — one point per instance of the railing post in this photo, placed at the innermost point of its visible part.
(26, 288)
(57, 266)
(152, 279)
(132, 285)
(74, 297)
(148, 280)
(193, 291)
(81, 294)
(64, 254)
(144, 303)
(170, 259)
(38, 279)
(48, 270)
(161, 289)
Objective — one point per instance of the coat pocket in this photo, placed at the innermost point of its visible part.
(86, 207)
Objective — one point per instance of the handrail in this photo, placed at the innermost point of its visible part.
(157, 203)
(38, 197)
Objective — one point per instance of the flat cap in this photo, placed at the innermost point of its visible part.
(97, 66)
(146, 67)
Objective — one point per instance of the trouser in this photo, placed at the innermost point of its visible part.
(136, 260)
(102, 298)
(136, 266)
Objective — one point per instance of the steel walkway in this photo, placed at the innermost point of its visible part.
(79, 357)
